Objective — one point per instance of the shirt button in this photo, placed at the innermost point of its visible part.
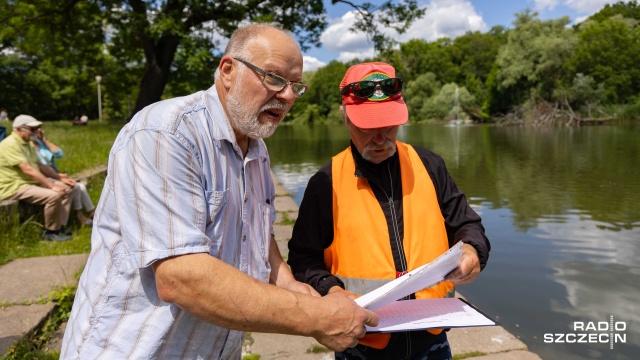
(246, 199)
(244, 237)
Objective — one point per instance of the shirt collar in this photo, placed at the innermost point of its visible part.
(19, 139)
(219, 116)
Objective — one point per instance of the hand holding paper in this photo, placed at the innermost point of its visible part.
(426, 313)
(423, 277)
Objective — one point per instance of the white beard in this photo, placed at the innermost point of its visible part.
(388, 145)
(247, 122)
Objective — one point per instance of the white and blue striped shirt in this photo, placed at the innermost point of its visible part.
(177, 184)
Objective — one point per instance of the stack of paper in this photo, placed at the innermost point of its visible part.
(425, 313)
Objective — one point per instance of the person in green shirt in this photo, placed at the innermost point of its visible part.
(23, 178)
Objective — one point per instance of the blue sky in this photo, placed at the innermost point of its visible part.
(443, 18)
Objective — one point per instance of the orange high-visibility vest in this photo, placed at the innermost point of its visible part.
(360, 254)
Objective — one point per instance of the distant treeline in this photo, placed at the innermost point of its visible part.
(539, 72)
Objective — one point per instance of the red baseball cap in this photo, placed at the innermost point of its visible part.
(380, 110)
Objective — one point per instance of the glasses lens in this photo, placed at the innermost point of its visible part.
(363, 89)
(298, 89)
(274, 82)
(391, 86)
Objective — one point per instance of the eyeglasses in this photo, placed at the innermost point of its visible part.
(276, 83)
(32, 129)
(367, 88)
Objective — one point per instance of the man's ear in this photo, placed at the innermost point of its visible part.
(226, 71)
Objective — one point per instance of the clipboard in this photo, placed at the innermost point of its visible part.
(423, 314)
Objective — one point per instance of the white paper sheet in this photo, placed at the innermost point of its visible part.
(423, 277)
(427, 314)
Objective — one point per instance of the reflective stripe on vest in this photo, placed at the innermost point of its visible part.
(360, 253)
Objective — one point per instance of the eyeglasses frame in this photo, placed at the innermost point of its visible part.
(264, 74)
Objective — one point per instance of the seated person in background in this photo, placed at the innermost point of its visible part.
(47, 153)
(23, 178)
(82, 121)
(4, 117)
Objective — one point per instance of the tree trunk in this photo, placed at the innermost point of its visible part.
(159, 57)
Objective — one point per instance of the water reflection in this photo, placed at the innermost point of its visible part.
(561, 207)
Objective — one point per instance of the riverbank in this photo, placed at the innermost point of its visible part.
(25, 282)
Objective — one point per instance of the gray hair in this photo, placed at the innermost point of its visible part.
(238, 45)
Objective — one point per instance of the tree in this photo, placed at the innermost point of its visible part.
(608, 51)
(531, 63)
(175, 42)
(323, 94)
(417, 91)
(627, 9)
(58, 54)
(447, 103)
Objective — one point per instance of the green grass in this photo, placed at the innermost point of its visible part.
(33, 345)
(85, 147)
(317, 349)
(468, 355)
(285, 219)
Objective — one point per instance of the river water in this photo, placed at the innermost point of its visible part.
(561, 207)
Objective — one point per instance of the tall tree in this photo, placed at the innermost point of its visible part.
(183, 36)
(608, 51)
(531, 62)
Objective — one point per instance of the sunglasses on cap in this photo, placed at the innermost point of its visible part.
(366, 88)
(274, 82)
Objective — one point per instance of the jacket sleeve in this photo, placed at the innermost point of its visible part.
(312, 233)
(461, 221)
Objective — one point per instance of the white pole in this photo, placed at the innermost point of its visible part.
(98, 79)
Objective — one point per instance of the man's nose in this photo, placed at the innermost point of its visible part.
(286, 94)
(378, 136)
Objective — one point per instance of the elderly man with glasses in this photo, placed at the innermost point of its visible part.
(380, 209)
(183, 258)
(23, 178)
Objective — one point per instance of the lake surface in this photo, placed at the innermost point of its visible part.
(561, 207)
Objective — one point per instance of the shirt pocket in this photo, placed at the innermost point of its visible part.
(216, 201)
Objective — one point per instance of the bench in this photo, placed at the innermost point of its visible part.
(29, 210)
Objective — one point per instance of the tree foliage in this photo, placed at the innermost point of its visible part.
(146, 50)
(170, 43)
(608, 51)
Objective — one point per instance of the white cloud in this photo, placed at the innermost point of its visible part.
(350, 55)
(311, 63)
(337, 37)
(443, 18)
(546, 4)
(580, 6)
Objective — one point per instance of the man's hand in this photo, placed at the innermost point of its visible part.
(338, 290)
(68, 181)
(468, 269)
(344, 324)
(61, 188)
(299, 287)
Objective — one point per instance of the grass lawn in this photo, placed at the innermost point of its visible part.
(84, 147)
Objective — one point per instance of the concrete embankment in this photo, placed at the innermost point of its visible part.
(26, 281)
